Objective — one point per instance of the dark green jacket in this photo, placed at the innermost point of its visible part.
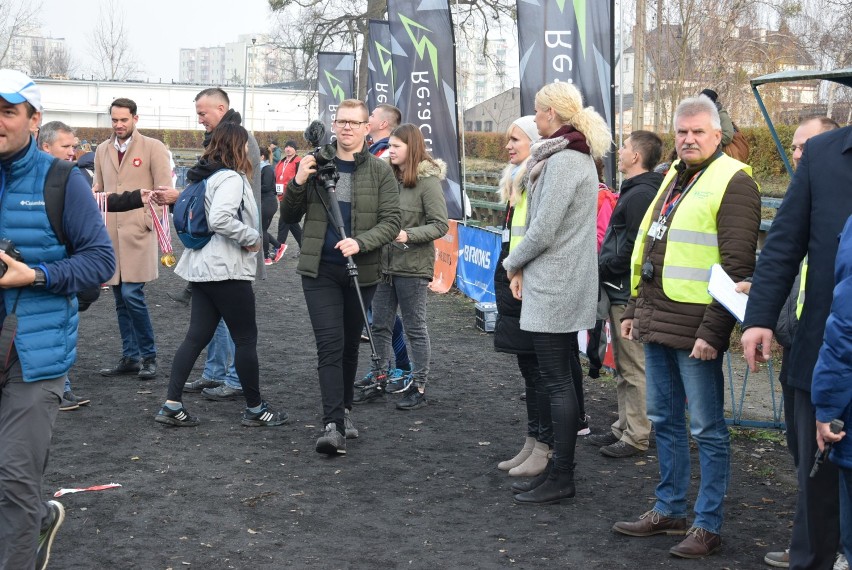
(424, 219)
(375, 215)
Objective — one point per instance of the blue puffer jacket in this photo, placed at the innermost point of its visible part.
(831, 390)
(46, 337)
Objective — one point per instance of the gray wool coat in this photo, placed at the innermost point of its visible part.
(558, 254)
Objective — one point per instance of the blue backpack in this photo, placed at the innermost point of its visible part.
(190, 218)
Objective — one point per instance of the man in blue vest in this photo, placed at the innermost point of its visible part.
(39, 314)
(706, 212)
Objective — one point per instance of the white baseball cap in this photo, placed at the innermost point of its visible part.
(16, 87)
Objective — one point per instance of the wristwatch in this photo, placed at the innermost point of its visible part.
(40, 280)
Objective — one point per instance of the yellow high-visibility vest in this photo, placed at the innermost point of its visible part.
(800, 300)
(692, 245)
(519, 221)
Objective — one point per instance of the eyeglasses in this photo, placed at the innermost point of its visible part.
(350, 124)
(796, 147)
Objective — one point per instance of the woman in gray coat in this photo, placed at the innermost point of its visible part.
(554, 268)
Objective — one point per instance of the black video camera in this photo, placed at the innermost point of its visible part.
(9, 249)
(324, 155)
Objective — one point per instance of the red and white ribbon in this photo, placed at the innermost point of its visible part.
(161, 226)
(101, 199)
(61, 492)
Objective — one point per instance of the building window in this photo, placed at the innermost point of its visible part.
(489, 126)
(468, 125)
(478, 126)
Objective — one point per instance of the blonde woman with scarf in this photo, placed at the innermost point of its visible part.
(553, 270)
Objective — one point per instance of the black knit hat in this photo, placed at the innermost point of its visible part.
(291, 144)
(711, 94)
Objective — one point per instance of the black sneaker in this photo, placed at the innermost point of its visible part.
(332, 442)
(372, 393)
(412, 400)
(398, 382)
(198, 385)
(67, 405)
(126, 365)
(49, 528)
(222, 393)
(602, 439)
(177, 418)
(349, 429)
(148, 368)
(266, 417)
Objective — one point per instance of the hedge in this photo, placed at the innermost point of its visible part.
(764, 157)
(191, 139)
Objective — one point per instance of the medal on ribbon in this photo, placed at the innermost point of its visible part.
(164, 235)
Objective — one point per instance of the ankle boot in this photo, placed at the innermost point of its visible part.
(559, 485)
(520, 457)
(525, 486)
(534, 464)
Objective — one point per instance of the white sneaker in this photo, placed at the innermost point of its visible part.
(841, 563)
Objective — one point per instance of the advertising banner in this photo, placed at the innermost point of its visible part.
(561, 40)
(446, 259)
(335, 82)
(424, 62)
(479, 251)
(380, 65)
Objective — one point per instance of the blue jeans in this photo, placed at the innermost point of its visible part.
(134, 322)
(846, 511)
(673, 378)
(409, 295)
(220, 358)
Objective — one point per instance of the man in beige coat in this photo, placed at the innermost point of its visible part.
(127, 161)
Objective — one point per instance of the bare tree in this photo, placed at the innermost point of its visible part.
(323, 25)
(109, 43)
(55, 62)
(17, 17)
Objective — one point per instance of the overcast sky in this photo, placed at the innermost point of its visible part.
(157, 29)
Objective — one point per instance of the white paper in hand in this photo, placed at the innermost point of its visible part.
(723, 289)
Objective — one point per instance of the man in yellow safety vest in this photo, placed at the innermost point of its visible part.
(707, 211)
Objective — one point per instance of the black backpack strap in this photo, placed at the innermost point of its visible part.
(54, 196)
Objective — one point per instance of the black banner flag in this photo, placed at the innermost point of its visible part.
(424, 61)
(335, 82)
(380, 86)
(567, 40)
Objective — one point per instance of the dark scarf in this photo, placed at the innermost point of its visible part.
(203, 168)
(566, 137)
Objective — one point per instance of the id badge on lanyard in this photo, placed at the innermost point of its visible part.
(657, 230)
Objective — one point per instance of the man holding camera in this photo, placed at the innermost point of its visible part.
(39, 314)
(707, 211)
(369, 203)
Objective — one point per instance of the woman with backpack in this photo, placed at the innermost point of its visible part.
(221, 272)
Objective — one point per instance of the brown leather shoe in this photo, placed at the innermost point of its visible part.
(697, 544)
(651, 523)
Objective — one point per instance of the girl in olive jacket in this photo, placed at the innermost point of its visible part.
(407, 263)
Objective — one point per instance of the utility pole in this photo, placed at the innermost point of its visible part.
(639, 67)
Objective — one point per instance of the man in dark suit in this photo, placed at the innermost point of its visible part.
(816, 206)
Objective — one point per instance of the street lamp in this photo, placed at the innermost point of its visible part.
(245, 76)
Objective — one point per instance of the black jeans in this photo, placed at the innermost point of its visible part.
(538, 401)
(554, 352)
(816, 525)
(284, 229)
(268, 207)
(337, 321)
(233, 301)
